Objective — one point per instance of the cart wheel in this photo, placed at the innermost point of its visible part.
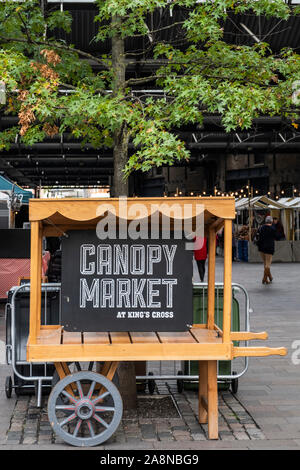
(234, 384)
(83, 417)
(8, 386)
(151, 384)
(180, 383)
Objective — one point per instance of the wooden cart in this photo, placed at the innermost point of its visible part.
(85, 395)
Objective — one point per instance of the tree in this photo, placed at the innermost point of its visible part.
(198, 71)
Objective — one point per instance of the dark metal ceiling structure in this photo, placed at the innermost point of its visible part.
(63, 161)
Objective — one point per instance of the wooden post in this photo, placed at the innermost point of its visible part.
(211, 279)
(202, 392)
(227, 280)
(208, 396)
(35, 281)
(212, 399)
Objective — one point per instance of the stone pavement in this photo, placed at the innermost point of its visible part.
(29, 424)
(264, 414)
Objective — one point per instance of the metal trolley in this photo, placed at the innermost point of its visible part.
(27, 376)
(229, 372)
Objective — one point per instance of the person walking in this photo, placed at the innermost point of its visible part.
(200, 254)
(266, 246)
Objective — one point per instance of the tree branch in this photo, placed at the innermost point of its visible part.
(55, 46)
(25, 27)
(158, 30)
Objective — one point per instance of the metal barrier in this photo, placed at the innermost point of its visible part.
(175, 366)
(11, 356)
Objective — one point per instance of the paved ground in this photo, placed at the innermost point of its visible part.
(264, 414)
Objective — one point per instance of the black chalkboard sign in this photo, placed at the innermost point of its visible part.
(125, 285)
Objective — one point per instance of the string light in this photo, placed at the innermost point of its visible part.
(241, 193)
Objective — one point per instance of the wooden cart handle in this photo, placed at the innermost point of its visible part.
(247, 335)
(260, 351)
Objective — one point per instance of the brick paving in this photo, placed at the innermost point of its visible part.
(29, 425)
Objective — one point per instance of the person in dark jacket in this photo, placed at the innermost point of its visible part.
(280, 235)
(266, 247)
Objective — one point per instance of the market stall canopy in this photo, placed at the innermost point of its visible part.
(259, 202)
(87, 212)
(290, 202)
(8, 186)
(3, 196)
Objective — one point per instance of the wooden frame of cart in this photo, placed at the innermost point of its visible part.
(205, 343)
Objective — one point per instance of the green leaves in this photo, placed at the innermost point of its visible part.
(207, 75)
(60, 19)
(157, 147)
(7, 137)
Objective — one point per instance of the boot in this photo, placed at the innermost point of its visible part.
(265, 278)
(269, 275)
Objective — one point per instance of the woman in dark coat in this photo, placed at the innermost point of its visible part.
(266, 247)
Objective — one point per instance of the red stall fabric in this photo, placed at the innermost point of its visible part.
(11, 269)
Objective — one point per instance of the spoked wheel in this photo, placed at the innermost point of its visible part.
(85, 408)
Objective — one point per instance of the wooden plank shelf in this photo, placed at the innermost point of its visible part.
(111, 346)
(195, 344)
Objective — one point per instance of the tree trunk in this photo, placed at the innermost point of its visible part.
(126, 371)
(120, 152)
